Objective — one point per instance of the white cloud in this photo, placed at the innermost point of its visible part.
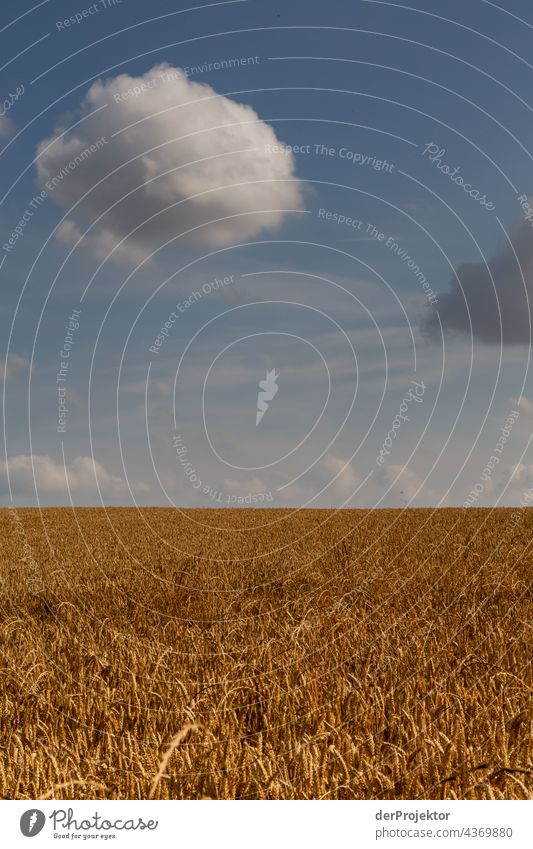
(51, 477)
(520, 473)
(335, 476)
(6, 127)
(13, 366)
(523, 404)
(160, 131)
(340, 475)
(407, 486)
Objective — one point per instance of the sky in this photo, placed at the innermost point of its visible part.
(266, 255)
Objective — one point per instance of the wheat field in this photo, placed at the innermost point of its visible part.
(266, 654)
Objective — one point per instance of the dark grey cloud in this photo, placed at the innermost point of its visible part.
(491, 300)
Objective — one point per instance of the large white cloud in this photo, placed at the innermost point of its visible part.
(178, 144)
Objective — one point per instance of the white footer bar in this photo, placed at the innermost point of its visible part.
(263, 825)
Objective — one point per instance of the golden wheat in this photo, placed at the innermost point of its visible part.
(265, 654)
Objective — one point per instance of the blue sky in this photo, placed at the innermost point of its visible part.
(337, 194)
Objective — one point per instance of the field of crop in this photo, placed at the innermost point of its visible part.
(268, 654)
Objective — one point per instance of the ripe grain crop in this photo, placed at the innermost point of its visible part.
(265, 654)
